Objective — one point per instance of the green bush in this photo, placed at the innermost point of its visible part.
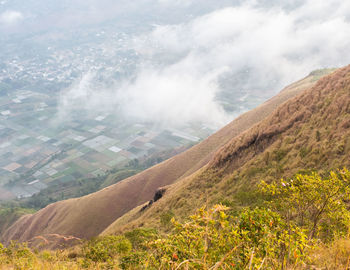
(315, 203)
(140, 236)
(19, 255)
(277, 231)
(105, 248)
(134, 260)
(213, 239)
(166, 217)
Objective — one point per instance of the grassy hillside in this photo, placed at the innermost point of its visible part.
(310, 132)
(90, 215)
(10, 214)
(84, 186)
(274, 197)
(297, 225)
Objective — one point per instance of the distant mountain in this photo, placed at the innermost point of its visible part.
(219, 166)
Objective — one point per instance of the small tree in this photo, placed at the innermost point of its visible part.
(315, 203)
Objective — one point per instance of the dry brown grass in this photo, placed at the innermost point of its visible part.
(310, 132)
(90, 215)
(334, 256)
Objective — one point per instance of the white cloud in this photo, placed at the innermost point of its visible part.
(10, 17)
(168, 97)
(172, 96)
(176, 2)
(262, 48)
(289, 44)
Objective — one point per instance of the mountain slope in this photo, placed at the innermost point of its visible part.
(89, 215)
(309, 132)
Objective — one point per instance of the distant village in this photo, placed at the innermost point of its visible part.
(35, 152)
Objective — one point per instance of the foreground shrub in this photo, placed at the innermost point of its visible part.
(212, 239)
(105, 248)
(301, 226)
(134, 260)
(18, 255)
(140, 236)
(315, 203)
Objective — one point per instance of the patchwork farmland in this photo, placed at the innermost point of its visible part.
(37, 151)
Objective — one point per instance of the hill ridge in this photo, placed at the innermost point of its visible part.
(89, 215)
(310, 131)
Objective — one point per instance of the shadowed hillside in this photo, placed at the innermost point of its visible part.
(89, 215)
(309, 132)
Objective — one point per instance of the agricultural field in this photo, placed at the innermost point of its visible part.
(36, 152)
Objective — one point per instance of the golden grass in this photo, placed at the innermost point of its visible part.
(90, 215)
(333, 256)
(310, 132)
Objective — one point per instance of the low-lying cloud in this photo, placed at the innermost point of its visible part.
(168, 97)
(10, 18)
(183, 65)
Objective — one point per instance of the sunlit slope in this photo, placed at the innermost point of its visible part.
(90, 215)
(308, 132)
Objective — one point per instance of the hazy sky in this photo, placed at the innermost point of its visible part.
(188, 47)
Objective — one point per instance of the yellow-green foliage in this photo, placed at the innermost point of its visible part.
(315, 203)
(9, 214)
(255, 239)
(17, 255)
(105, 249)
(298, 225)
(140, 236)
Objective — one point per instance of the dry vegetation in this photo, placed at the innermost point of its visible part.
(310, 132)
(283, 232)
(299, 222)
(90, 215)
